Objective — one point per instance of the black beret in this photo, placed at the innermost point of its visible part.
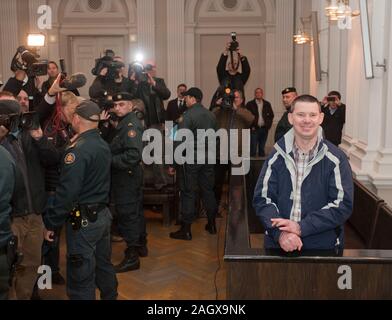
(122, 96)
(89, 110)
(194, 92)
(9, 107)
(288, 90)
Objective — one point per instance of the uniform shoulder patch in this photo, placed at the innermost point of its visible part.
(69, 158)
(132, 133)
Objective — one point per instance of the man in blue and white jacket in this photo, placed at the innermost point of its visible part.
(304, 194)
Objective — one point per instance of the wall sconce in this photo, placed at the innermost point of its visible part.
(302, 37)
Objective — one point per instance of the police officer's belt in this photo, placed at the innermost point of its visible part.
(81, 215)
(90, 211)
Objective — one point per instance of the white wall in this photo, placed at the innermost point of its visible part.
(367, 137)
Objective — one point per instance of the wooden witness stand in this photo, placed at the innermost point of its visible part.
(253, 273)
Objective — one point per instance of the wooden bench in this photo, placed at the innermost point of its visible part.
(382, 237)
(166, 196)
(255, 273)
(365, 211)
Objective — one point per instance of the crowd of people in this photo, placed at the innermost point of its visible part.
(65, 158)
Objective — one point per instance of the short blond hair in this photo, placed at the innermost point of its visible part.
(69, 97)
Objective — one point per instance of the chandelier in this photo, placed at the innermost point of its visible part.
(339, 10)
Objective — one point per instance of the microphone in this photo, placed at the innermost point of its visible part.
(76, 81)
(62, 67)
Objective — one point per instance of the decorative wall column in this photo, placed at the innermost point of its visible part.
(175, 43)
(8, 36)
(280, 50)
(146, 27)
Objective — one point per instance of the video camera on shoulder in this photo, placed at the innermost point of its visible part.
(25, 121)
(27, 60)
(107, 61)
(234, 44)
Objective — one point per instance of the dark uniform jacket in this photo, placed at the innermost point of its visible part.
(198, 117)
(84, 180)
(333, 124)
(30, 157)
(267, 113)
(283, 126)
(153, 98)
(126, 148)
(7, 183)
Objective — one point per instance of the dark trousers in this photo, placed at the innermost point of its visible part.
(131, 222)
(51, 250)
(202, 176)
(4, 277)
(258, 139)
(89, 260)
(221, 171)
(127, 196)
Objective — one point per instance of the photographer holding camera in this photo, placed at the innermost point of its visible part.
(152, 91)
(233, 66)
(334, 117)
(27, 69)
(31, 152)
(232, 116)
(111, 79)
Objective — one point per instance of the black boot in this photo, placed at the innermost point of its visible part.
(142, 250)
(130, 262)
(211, 226)
(183, 234)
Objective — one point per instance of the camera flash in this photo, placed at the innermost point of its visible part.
(139, 57)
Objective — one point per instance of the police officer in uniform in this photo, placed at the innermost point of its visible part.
(284, 126)
(7, 181)
(81, 200)
(201, 175)
(127, 181)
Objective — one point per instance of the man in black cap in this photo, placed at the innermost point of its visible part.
(201, 175)
(81, 202)
(127, 181)
(288, 96)
(7, 182)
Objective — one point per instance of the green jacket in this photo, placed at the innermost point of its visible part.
(7, 183)
(84, 179)
(283, 126)
(127, 148)
(198, 117)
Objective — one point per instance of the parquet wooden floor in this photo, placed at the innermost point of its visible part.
(174, 269)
